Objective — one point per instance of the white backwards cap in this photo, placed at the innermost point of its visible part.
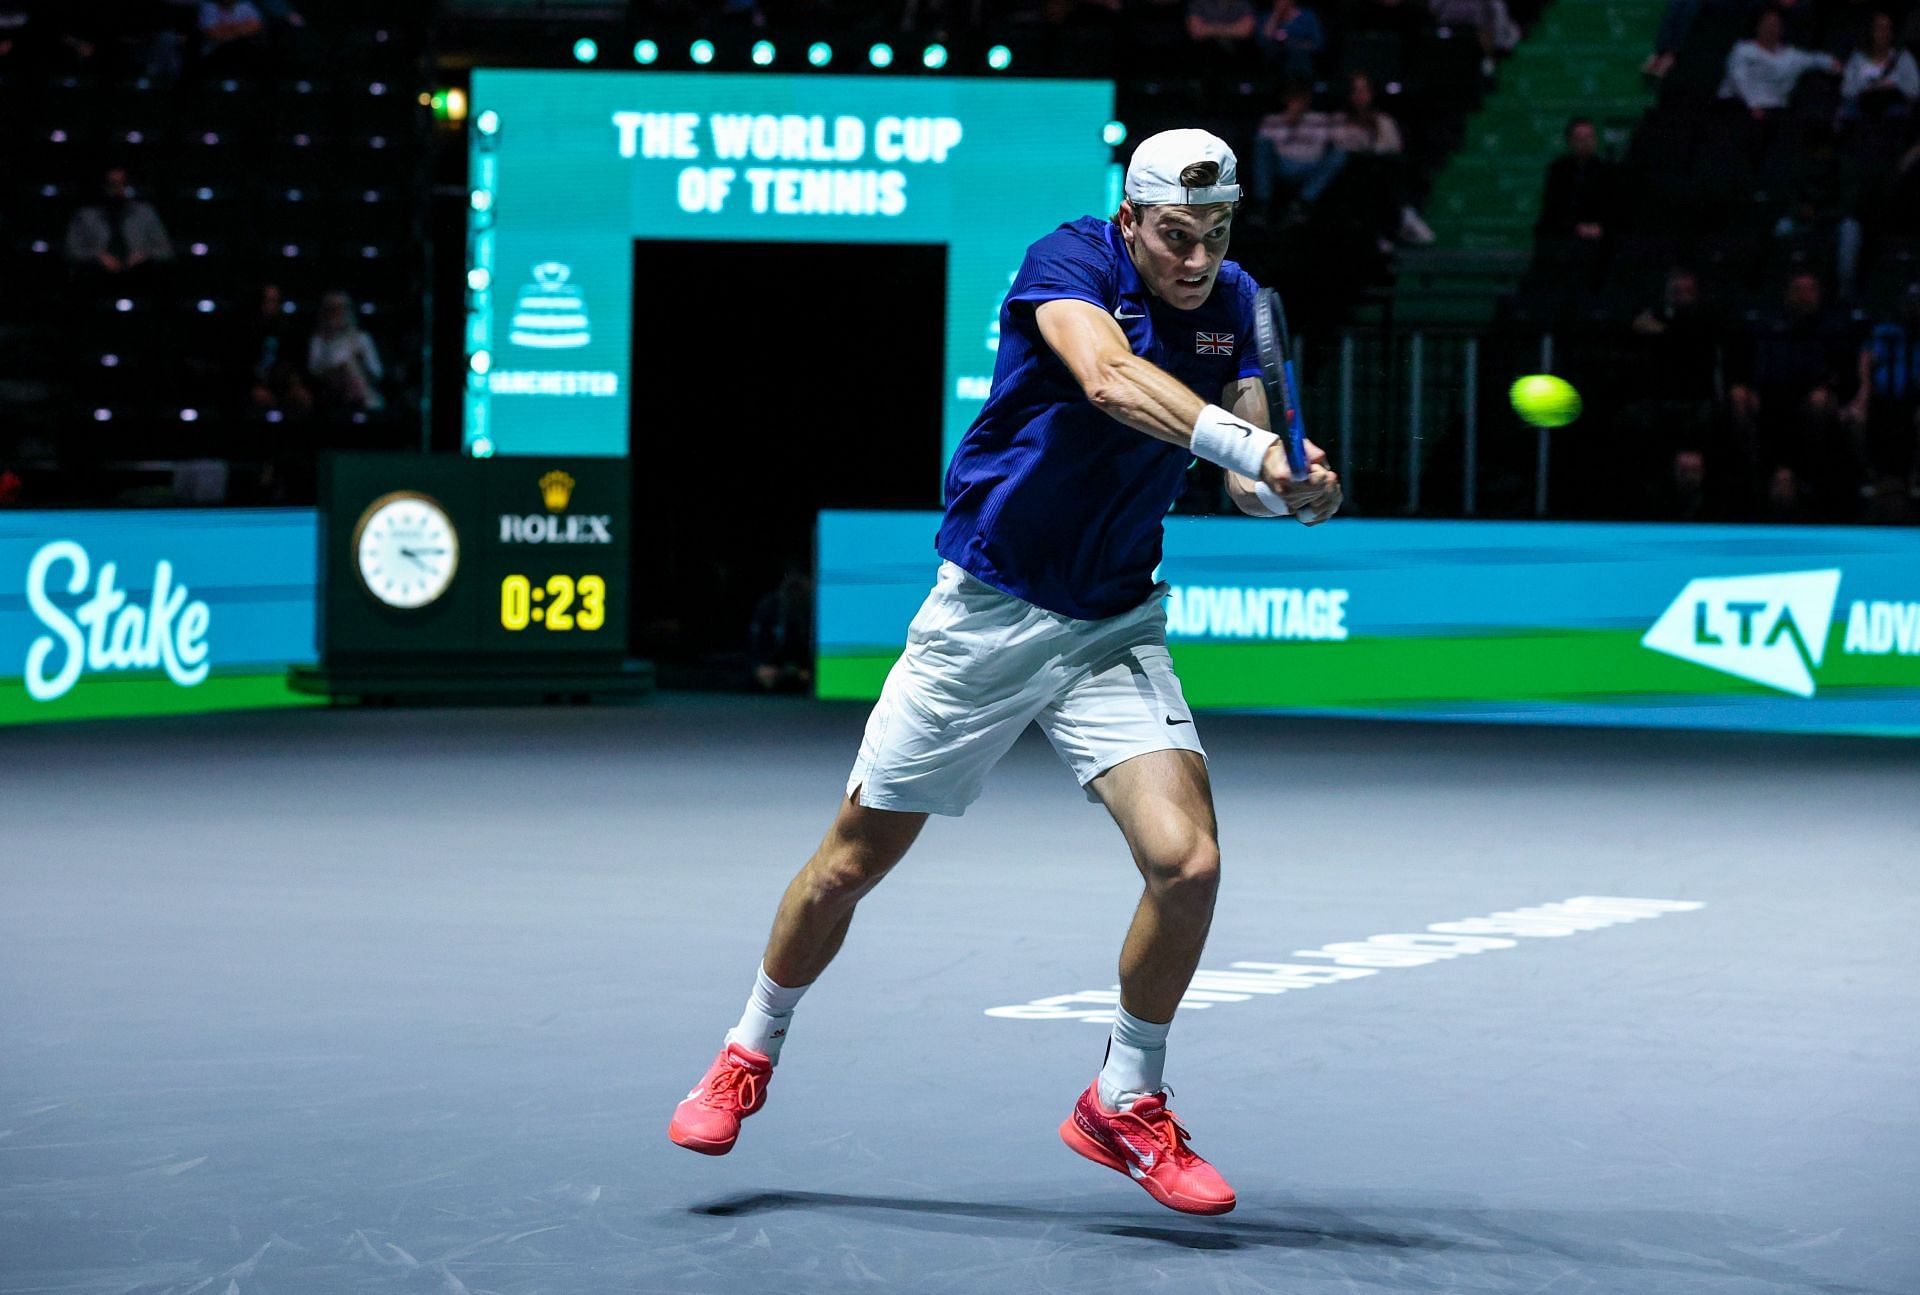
(1153, 176)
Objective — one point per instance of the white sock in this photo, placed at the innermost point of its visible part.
(763, 1026)
(1136, 1060)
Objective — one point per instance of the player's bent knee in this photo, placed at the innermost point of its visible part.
(841, 877)
(1190, 874)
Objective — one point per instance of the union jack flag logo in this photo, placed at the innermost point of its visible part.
(1213, 343)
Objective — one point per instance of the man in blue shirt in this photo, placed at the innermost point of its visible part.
(1113, 338)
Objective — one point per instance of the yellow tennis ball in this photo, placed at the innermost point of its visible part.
(1544, 400)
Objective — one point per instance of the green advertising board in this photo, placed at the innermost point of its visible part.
(1748, 627)
(571, 168)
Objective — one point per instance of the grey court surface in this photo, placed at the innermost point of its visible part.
(401, 1001)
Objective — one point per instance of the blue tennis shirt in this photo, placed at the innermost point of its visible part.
(1049, 499)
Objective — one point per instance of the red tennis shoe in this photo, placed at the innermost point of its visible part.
(1149, 1145)
(735, 1086)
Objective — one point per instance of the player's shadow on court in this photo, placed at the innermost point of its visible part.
(1216, 1234)
(1648, 1242)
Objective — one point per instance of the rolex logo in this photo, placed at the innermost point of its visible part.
(556, 488)
(556, 492)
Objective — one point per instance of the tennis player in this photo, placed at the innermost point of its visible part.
(1115, 336)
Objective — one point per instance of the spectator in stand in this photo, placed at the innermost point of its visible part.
(1360, 126)
(267, 355)
(1679, 345)
(342, 359)
(1491, 22)
(1823, 202)
(1291, 40)
(1579, 208)
(1371, 141)
(780, 636)
(1880, 79)
(1786, 498)
(1683, 491)
(1762, 72)
(1582, 196)
(1293, 152)
(1673, 371)
(120, 239)
(1887, 406)
(232, 37)
(1792, 371)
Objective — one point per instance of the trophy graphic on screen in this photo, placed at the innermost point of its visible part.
(550, 314)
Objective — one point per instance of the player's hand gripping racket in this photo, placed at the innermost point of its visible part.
(1273, 346)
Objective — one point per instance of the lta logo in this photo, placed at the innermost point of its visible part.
(1771, 629)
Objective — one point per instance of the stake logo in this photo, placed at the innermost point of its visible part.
(108, 631)
(1771, 629)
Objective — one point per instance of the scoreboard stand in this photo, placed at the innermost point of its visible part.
(481, 681)
(447, 577)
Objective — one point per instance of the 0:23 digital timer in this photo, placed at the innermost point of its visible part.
(559, 604)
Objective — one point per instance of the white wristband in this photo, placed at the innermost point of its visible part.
(1238, 446)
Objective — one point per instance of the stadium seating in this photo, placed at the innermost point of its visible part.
(309, 175)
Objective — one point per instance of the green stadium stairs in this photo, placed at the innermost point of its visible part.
(1581, 59)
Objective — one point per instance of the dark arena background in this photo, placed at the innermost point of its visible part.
(467, 471)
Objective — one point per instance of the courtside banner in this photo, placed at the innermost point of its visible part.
(1812, 629)
(152, 612)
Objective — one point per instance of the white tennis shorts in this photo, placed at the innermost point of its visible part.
(981, 665)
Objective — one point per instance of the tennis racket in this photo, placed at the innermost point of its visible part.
(1273, 347)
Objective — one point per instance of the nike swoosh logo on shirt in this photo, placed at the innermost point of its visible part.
(1172, 720)
(1118, 315)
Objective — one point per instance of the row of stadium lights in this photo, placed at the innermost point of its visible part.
(819, 54)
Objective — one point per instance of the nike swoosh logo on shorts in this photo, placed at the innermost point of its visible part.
(1172, 720)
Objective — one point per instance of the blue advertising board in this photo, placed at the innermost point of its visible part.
(143, 612)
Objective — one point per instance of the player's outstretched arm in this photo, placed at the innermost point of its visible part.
(1150, 400)
(1119, 383)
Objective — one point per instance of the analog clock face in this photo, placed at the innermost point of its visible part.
(405, 549)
